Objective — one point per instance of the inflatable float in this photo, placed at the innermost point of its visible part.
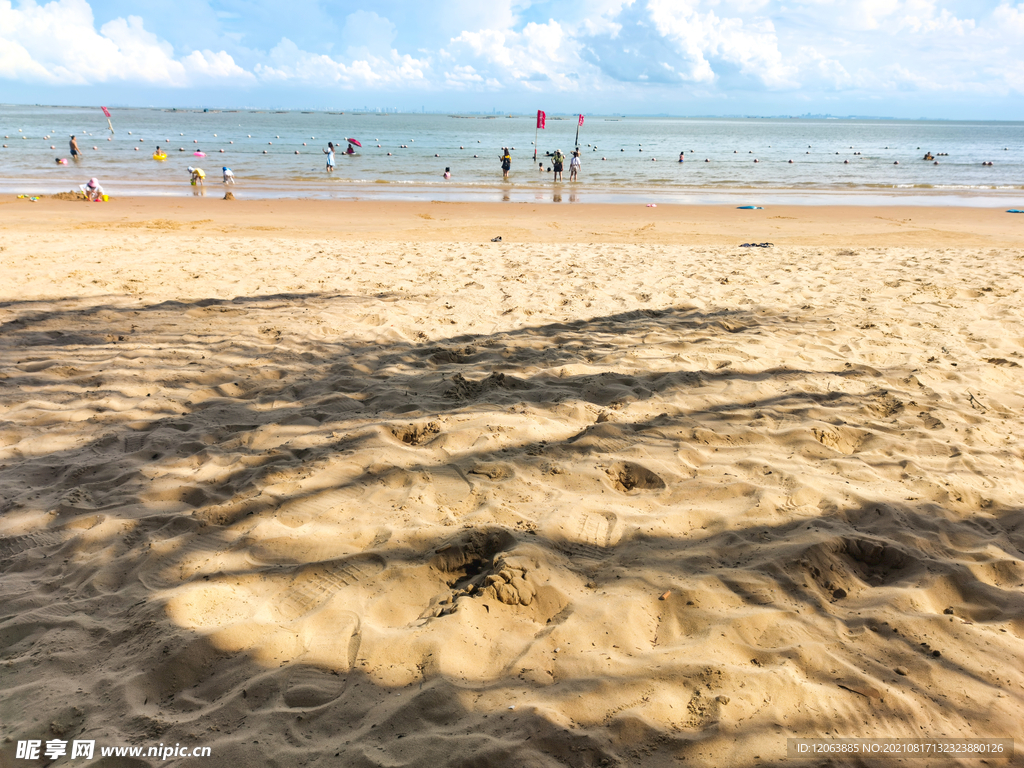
(199, 154)
(159, 157)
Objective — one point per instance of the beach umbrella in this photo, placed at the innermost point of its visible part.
(354, 141)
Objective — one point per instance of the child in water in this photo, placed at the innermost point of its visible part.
(447, 173)
(198, 176)
(229, 177)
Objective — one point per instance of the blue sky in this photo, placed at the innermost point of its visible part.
(905, 58)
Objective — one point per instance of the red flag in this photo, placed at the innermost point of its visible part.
(581, 121)
(541, 118)
(106, 112)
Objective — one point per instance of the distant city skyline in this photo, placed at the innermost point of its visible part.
(942, 59)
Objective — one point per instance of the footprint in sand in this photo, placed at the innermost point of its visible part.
(15, 545)
(627, 476)
(309, 687)
(178, 560)
(134, 443)
(584, 535)
(313, 585)
(318, 507)
(832, 563)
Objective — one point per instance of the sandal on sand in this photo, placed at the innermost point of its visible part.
(496, 239)
(757, 245)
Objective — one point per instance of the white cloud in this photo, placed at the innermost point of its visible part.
(594, 49)
(753, 47)
(366, 30)
(1010, 19)
(288, 63)
(541, 52)
(58, 43)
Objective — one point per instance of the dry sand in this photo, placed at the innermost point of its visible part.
(348, 484)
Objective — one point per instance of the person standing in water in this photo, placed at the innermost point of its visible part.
(574, 166)
(447, 173)
(557, 161)
(74, 148)
(506, 163)
(330, 156)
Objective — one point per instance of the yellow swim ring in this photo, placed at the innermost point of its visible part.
(159, 157)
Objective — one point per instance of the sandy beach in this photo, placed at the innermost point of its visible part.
(348, 484)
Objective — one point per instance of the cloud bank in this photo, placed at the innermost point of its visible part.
(709, 48)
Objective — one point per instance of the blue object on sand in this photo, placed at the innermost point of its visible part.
(1014, 210)
(749, 208)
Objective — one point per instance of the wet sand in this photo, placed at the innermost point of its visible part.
(329, 483)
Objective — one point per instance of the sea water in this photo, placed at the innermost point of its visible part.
(279, 154)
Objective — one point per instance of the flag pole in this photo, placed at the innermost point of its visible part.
(536, 129)
(577, 143)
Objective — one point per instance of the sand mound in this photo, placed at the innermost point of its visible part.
(65, 196)
(493, 505)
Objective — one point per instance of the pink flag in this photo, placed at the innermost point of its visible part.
(106, 112)
(581, 121)
(541, 118)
